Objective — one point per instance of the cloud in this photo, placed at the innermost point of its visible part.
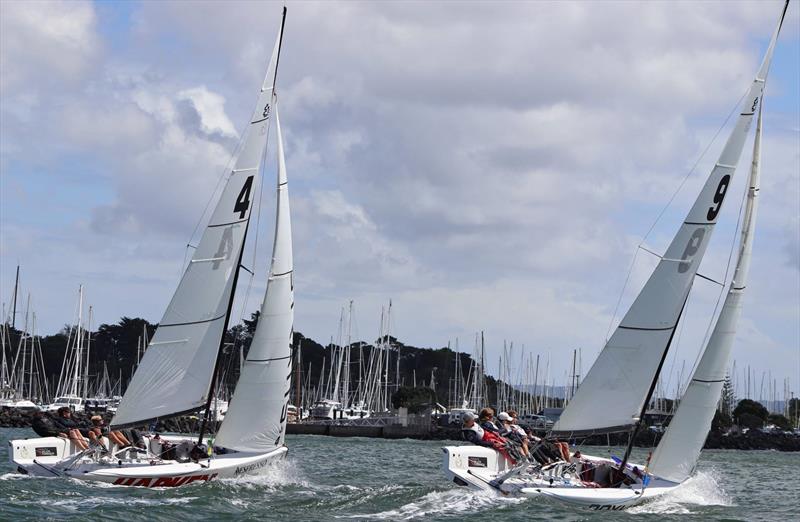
(491, 167)
(52, 40)
(211, 108)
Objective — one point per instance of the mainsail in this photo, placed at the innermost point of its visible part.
(677, 453)
(612, 395)
(256, 417)
(175, 374)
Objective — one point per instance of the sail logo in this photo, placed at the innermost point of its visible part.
(251, 467)
(163, 482)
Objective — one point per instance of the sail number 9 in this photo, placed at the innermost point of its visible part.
(719, 195)
(243, 201)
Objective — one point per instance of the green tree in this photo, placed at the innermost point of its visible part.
(793, 410)
(727, 401)
(748, 420)
(780, 421)
(746, 406)
(721, 421)
(415, 399)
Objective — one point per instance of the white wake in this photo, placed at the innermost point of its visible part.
(703, 489)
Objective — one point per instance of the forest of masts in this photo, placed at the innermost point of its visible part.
(357, 376)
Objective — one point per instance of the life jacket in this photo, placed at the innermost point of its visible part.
(499, 444)
(477, 429)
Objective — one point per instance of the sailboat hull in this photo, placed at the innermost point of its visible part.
(482, 468)
(53, 457)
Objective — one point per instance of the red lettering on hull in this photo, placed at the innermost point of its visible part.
(163, 482)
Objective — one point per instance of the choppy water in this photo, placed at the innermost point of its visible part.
(326, 478)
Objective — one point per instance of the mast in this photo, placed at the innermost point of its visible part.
(237, 265)
(640, 421)
(298, 380)
(14, 304)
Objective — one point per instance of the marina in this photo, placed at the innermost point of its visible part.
(496, 348)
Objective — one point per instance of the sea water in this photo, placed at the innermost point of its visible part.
(328, 478)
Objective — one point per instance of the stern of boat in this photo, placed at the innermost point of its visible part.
(34, 456)
(472, 466)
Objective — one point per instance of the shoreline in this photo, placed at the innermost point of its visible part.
(752, 440)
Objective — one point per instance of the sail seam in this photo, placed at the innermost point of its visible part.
(268, 360)
(646, 329)
(193, 322)
(259, 121)
(283, 274)
(226, 224)
(711, 381)
(698, 223)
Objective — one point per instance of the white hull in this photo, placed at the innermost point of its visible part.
(484, 469)
(57, 457)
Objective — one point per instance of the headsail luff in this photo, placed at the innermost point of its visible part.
(677, 453)
(256, 417)
(616, 387)
(175, 374)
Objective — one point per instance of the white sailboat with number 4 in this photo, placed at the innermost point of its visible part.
(178, 371)
(620, 384)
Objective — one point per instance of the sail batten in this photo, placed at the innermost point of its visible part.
(614, 392)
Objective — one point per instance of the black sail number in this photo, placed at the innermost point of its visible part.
(691, 249)
(719, 195)
(243, 201)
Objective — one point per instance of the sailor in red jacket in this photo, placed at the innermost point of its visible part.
(481, 437)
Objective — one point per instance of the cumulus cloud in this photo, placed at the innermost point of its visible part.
(489, 167)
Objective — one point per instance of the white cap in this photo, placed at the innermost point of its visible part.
(467, 415)
(503, 416)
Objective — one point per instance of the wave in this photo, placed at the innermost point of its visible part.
(448, 502)
(703, 489)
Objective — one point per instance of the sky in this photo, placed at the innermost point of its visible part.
(485, 166)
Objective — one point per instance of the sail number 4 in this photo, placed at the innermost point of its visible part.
(243, 201)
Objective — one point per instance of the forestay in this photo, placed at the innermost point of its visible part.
(612, 395)
(677, 453)
(256, 417)
(174, 376)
